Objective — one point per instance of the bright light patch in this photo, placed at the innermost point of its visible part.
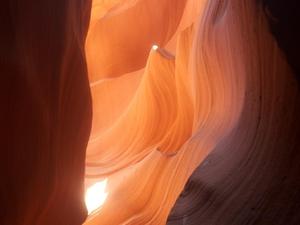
(95, 196)
(154, 47)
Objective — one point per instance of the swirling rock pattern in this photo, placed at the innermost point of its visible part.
(189, 109)
(252, 176)
(222, 95)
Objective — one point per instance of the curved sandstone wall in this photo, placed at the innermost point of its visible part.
(188, 109)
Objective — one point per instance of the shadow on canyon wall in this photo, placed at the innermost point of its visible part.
(252, 177)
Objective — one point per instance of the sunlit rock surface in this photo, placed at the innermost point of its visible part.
(220, 88)
(162, 111)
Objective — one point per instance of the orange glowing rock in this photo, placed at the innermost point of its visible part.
(121, 107)
(119, 43)
(153, 127)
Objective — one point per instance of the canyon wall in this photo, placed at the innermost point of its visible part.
(45, 111)
(188, 109)
(219, 102)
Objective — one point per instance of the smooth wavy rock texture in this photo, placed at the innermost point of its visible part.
(206, 99)
(220, 93)
(181, 111)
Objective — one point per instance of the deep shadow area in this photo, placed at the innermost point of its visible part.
(283, 17)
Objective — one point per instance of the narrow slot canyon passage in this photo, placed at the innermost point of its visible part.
(150, 112)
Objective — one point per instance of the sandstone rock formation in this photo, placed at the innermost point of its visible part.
(189, 110)
(45, 112)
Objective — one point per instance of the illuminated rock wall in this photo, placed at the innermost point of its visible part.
(218, 88)
(189, 110)
(252, 176)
